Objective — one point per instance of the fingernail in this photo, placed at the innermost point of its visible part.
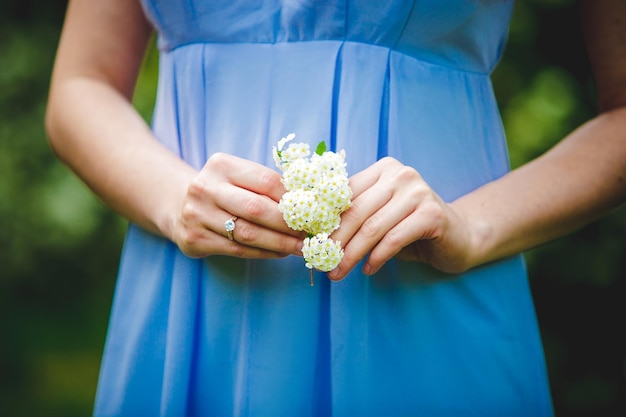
(367, 269)
(333, 275)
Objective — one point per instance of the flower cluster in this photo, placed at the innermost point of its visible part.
(317, 193)
(321, 252)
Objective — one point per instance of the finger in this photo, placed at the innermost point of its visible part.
(371, 232)
(255, 194)
(218, 245)
(394, 241)
(237, 201)
(252, 207)
(197, 241)
(247, 252)
(427, 222)
(361, 209)
(364, 180)
(363, 206)
(249, 175)
(252, 235)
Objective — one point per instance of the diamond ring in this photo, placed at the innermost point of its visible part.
(229, 225)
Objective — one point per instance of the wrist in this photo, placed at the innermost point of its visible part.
(169, 215)
(479, 235)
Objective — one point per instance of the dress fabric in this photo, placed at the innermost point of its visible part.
(222, 336)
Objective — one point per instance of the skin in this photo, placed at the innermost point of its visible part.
(94, 129)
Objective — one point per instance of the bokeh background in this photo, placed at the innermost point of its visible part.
(59, 246)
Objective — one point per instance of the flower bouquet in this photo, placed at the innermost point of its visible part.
(317, 192)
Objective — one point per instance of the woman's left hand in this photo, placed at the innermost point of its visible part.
(395, 212)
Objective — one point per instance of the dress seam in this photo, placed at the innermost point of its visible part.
(391, 50)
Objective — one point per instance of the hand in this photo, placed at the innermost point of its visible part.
(229, 186)
(394, 212)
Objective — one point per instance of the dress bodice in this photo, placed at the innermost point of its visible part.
(463, 34)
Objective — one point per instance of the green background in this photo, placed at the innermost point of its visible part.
(59, 246)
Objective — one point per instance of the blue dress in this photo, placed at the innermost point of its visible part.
(228, 337)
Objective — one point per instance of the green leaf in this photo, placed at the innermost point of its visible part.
(321, 148)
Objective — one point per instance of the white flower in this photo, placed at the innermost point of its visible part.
(295, 151)
(298, 207)
(289, 137)
(322, 253)
(277, 150)
(300, 174)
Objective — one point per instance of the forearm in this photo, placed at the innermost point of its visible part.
(94, 129)
(574, 183)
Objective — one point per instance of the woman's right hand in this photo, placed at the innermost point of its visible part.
(229, 186)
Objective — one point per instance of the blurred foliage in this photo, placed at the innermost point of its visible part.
(59, 246)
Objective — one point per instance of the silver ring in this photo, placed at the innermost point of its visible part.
(229, 225)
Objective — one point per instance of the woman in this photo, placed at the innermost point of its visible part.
(429, 312)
